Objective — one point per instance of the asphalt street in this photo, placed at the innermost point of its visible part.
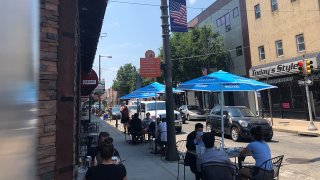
(301, 153)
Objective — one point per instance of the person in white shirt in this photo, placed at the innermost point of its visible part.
(163, 130)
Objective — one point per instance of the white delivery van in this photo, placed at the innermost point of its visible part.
(150, 106)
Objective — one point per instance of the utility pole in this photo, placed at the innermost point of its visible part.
(100, 56)
(172, 154)
(311, 126)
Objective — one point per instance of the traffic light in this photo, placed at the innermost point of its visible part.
(300, 68)
(309, 67)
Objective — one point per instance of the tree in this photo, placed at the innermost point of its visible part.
(125, 81)
(194, 50)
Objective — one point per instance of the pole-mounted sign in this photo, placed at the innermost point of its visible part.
(150, 65)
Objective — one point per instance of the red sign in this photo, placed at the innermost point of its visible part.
(150, 66)
(89, 81)
(286, 105)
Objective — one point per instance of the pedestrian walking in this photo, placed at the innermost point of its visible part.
(125, 118)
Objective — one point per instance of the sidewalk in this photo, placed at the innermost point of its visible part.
(295, 126)
(139, 162)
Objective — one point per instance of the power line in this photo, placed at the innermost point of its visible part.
(198, 8)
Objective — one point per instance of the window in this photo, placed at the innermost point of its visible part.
(219, 22)
(261, 53)
(274, 5)
(279, 48)
(235, 12)
(228, 28)
(257, 11)
(300, 43)
(239, 51)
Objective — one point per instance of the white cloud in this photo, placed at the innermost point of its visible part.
(191, 2)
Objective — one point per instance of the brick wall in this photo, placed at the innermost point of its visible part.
(48, 88)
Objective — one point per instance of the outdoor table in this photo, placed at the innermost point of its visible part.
(232, 152)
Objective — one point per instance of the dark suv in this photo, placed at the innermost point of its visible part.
(238, 121)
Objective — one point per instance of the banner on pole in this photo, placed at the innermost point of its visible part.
(178, 15)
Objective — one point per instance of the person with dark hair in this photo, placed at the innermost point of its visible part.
(194, 139)
(125, 118)
(94, 151)
(107, 169)
(260, 152)
(135, 128)
(211, 154)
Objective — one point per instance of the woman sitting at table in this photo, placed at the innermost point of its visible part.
(260, 151)
(107, 169)
(211, 154)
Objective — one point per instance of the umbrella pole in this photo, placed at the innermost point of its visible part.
(156, 124)
(222, 121)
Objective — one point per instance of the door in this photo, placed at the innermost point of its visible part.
(227, 125)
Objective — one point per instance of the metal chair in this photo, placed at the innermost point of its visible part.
(182, 150)
(218, 171)
(269, 169)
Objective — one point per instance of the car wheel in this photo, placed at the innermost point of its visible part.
(188, 117)
(178, 129)
(235, 134)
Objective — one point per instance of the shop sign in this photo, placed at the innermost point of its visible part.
(277, 70)
(286, 105)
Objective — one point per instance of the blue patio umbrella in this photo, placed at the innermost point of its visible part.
(155, 88)
(134, 95)
(223, 81)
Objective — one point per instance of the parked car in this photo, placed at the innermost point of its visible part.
(193, 112)
(116, 112)
(150, 106)
(238, 121)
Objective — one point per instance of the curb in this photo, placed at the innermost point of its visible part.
(297, 132)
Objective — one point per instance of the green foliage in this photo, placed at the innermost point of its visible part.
(194, 50)
(125, 81)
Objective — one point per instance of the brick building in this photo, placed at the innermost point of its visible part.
(69, 33)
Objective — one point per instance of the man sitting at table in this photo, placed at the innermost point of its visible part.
(211, 154)
(193, 139)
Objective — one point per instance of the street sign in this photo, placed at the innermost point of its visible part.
(305, 82)
(150, 66)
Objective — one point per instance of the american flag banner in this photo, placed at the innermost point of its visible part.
(178, 15)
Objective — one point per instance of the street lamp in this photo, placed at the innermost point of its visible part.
(101, 56)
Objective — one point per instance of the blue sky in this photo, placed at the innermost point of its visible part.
(131, 30)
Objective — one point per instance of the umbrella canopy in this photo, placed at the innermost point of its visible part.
(135, 95)
(223, 81)
(155, 88)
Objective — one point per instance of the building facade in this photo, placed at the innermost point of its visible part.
(69, 34)
(281, 33)
(229, 19)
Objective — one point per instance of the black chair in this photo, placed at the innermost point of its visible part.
(273, 165)
(218, 171)
(182, 150)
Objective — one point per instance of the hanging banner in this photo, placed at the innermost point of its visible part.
(178, 15)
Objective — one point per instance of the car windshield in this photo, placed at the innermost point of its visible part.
(132, 107)
(246, 112)
(152, 107)
(116, 109)
(193, 108)
(234, 112)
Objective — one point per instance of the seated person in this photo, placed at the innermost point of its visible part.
(193, 139)
(211, 154)
(260, 152)
(162, 129)
(107, 169)
(135, 127)
(94, 151)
